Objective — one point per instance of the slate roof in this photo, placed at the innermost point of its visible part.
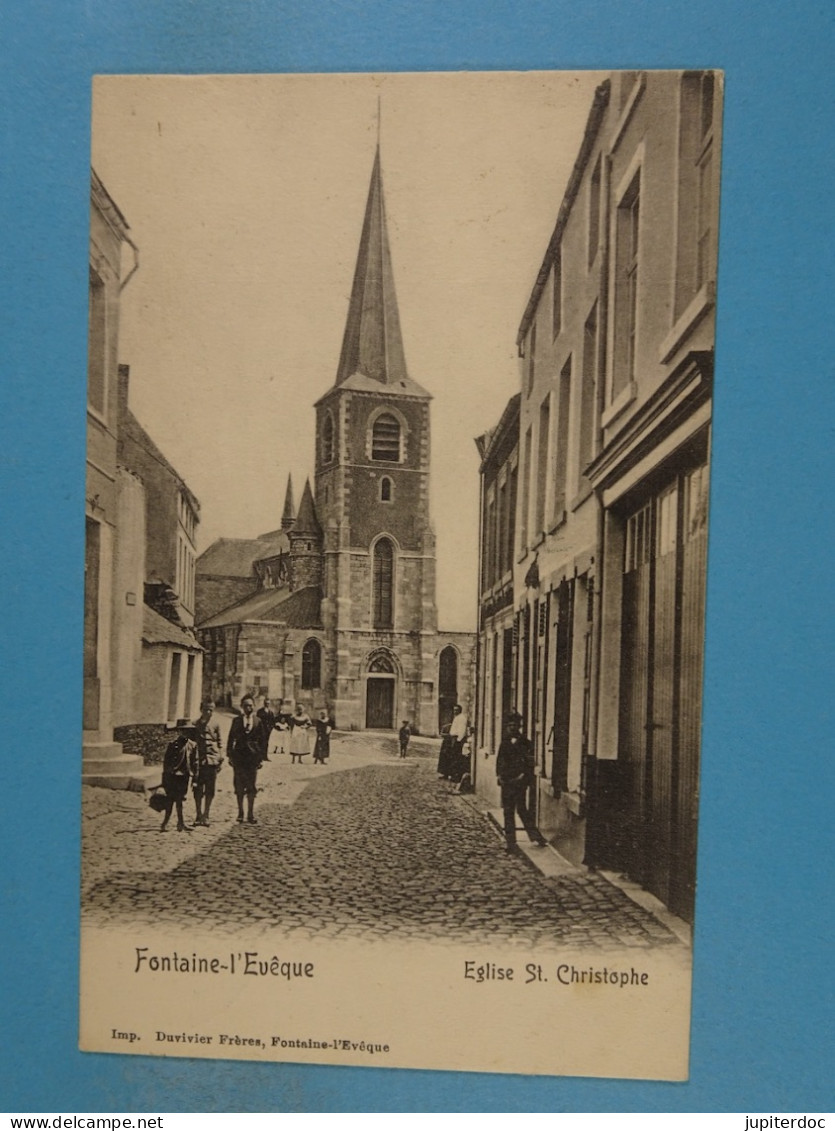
(157, 630)
(234, 557)
(297, 610)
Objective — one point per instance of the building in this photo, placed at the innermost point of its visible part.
(339, 608)
(142, 661)
(617, 344)
(108, 236)
(499, 451)
(159, 660)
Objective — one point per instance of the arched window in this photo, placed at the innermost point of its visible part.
(385, 489)
(327, 439)
(311, 665)
(383, 584)
(381, 663)
(385, 438)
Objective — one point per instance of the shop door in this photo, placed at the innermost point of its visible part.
(379, 705)
(636, 654)
(691, 648)
(562, 685)
(661, 682)
(661, 720)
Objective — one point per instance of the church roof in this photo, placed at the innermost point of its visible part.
(300, 609)
(306, 520)
(288, 516)
(372, 348)
(234, 557)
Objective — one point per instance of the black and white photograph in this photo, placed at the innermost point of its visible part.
(399, 412)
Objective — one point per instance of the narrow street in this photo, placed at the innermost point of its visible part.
(369, 847)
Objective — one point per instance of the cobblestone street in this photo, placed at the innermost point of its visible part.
(368, 847)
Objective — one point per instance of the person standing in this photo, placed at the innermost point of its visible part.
(459, 730)
(322, 749)
(515, 773)
(207, 760)
(300, 723)
(267, 717)
(245, 749)
(403, 736)
(176, 764)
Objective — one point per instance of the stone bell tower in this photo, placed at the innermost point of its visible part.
(372, 500)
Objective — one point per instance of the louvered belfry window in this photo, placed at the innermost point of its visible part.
(383, 584)
(385, 438)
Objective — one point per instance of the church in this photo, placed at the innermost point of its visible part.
(337, 607)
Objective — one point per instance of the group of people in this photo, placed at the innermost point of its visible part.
(196, 755)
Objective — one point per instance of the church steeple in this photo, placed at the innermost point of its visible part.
(289, 515)
(373, 345)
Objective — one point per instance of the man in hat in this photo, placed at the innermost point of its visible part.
(176, 766)
(208, 758)
(245, 749)
(515, 773)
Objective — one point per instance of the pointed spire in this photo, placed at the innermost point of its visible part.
(306, 520)
(373, 344)
(289, 515)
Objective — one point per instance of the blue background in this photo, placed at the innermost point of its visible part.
(763, 950)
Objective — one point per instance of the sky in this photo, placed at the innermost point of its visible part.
(245, 196)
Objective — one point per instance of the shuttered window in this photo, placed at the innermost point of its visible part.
(385, 439)
(383, 584)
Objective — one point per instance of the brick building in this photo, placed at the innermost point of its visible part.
(338, 606)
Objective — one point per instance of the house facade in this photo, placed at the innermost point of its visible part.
(159, 657)
(614, 433)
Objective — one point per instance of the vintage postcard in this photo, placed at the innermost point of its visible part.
(398, 432)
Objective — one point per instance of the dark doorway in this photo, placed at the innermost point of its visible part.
(379, 703)
(447, 685)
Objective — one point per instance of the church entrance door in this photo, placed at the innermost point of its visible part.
(379, 703)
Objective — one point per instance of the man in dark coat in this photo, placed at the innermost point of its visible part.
(246, 749)
(515, 773)
(267, 717)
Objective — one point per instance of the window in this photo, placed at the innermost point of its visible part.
(383, 584)
(561, 469)
(385, 490)
(594, 212)
(543, 453)
(510, 518)
(526, 486)
(96, 345)
(385, 438)
(557, 292)
(696, 252)
(532, 357)
(327, 439)
(311, 665)
(588, 392)
(381, 665)
(626, 288)
(704, 179)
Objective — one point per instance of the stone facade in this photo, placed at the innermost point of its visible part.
(370, 650)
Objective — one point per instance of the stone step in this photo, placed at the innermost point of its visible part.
(98, 749)
(120, 763)
(143, 779)
(106, 765)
